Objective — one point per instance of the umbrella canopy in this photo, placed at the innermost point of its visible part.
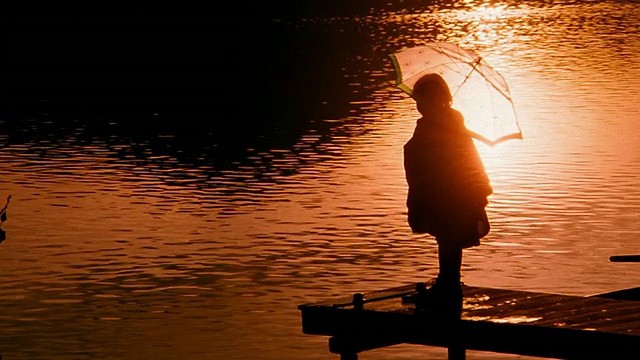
(479, 91)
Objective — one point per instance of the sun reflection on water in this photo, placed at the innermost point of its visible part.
(504, 320)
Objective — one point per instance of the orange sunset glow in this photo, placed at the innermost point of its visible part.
(229, 180)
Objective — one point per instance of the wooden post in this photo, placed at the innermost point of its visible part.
(456, 349)
(349, 356)
(457, 352)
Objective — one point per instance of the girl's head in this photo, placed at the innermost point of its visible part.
(431, 92)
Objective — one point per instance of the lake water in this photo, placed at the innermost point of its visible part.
(193, 244)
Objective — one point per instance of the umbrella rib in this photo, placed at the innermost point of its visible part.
(457, 55)
(461, 55)
(492, 143)
(473, 68)
(504, 93)
(517, 135)
(457, 65)
(476, 61)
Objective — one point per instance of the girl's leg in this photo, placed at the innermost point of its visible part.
(450, 263)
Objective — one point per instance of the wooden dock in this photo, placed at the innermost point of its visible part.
(495, 320)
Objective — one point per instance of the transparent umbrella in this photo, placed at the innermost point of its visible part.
(479, 92)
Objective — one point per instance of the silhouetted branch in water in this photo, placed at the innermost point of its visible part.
(3, 218)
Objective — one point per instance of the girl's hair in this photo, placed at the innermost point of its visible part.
(434, 89)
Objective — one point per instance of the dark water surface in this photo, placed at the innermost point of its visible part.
(180, 187)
